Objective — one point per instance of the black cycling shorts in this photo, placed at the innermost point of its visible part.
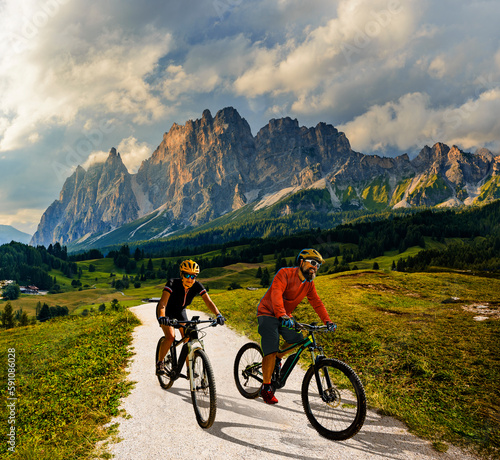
(179, 315)
(270, 330)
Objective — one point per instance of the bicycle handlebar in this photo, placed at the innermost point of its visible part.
(178, 324)
(310, 327)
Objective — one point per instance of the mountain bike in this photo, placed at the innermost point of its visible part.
(333, 396)
(199, 373)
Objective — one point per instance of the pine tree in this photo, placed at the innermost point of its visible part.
(44, 313)
(8, 316)
(24, 321)
(266, 278)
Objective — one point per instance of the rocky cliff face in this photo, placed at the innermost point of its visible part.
(198, 170)
(91, 202)
(289, 155)
(213, 165)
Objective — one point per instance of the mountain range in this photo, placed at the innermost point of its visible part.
(213, 168)
(9, 233)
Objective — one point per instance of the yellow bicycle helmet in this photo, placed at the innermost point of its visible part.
(310, 253)
(189, 266)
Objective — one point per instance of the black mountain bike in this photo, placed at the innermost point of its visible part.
(199, 372)
(333, 397)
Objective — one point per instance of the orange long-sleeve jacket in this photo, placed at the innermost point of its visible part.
(286, 291)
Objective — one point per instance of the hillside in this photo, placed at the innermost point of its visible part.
(397, 330)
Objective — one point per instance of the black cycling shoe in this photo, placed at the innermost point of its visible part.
(160, 368)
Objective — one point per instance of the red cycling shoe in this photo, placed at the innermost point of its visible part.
(268, 396)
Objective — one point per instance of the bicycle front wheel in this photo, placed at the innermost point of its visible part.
(203, 395)
(248, 370)
(337, 409)
(165, 381)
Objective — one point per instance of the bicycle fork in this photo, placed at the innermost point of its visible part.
(190, 349)
(325, 387)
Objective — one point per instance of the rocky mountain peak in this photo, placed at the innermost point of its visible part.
(434, 155)
(206, 117)
(484, 152)
(114, 161)
(214, 165)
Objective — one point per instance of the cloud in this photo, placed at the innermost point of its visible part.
(63, 69)
(78, 77)
(410, 123)
(132, 153)
(23, 219)
(362, 31)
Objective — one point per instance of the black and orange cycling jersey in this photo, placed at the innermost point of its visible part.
(180, 298)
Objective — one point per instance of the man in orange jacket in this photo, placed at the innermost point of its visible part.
(289, 287)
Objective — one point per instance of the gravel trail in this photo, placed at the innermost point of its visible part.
(161, 423)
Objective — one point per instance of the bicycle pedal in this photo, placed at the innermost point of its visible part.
(182, 376)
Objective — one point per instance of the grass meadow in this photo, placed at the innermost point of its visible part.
(69, 378)
(413, 338)
(414, 342)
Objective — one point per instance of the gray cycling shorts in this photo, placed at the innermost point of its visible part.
(270, 330)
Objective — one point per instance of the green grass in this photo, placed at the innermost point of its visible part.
(69, 381)
(425, 362)
(72, 299)
(376, 195)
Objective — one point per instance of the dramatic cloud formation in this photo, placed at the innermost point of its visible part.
(79, 77)
(132, 153)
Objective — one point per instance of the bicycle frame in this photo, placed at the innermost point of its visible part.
(192, 344)
(309, 342)
(333, 396)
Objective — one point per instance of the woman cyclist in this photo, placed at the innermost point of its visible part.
(178, 293)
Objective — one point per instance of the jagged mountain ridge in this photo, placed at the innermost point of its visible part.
(214, 165)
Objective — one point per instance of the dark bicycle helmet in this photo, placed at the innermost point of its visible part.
(310, 253)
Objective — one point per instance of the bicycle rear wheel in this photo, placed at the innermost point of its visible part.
(248, 370)
(203, 396)
(165, 381)
(339, 412)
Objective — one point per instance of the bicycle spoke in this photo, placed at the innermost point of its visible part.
(248, 370)
(338, 412)
(165, 379)
(203, 395)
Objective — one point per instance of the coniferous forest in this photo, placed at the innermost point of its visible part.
(470, 241)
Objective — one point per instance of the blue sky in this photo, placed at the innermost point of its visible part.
(79, 77)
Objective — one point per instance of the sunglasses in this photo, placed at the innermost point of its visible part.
(188, 276)
(313, 262)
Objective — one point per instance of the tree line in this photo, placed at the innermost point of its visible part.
(481, 255)
(347, 243)
(30, 265)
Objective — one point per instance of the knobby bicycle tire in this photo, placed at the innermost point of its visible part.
(248, 370)
(204, 396)
(165, 381)
(341, 412)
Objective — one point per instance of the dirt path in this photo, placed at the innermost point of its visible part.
(161, 423)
